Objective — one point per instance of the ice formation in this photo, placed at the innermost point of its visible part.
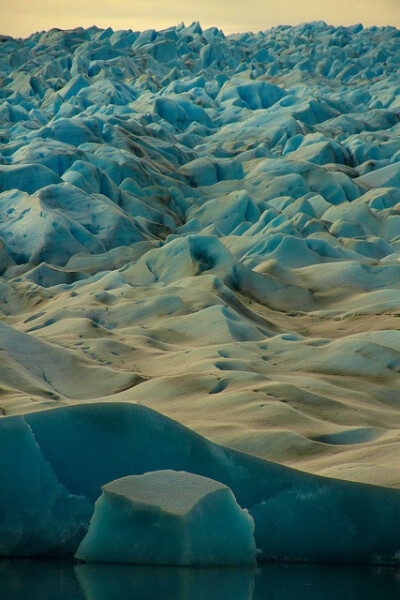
(168, 518)
(70, 453)
(208, 225)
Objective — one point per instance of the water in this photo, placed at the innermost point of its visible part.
(27, 579)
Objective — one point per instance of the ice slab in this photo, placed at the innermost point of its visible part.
(168, 518)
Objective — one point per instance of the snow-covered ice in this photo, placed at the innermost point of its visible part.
(207, 225)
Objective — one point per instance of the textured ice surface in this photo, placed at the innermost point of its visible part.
(208, 225)
(168, 518)
(54, 463)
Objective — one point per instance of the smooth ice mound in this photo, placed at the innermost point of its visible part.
(168, 518)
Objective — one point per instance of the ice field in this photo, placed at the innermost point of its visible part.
(207, 226)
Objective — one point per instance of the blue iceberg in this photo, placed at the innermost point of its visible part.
(168, 518)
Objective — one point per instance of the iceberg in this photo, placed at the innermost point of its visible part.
(168, 518)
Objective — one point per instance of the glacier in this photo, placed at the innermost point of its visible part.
(206, 226)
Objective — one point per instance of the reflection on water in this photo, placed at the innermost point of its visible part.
(27, 579)
(103, 582)
(323, 582)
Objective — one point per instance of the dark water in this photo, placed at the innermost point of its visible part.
(53, 580)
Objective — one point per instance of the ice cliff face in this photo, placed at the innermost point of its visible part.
(208, 225)
(53, 464)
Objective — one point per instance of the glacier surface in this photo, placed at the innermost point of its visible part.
(209, 226)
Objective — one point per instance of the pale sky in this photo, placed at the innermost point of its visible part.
(22, 17)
